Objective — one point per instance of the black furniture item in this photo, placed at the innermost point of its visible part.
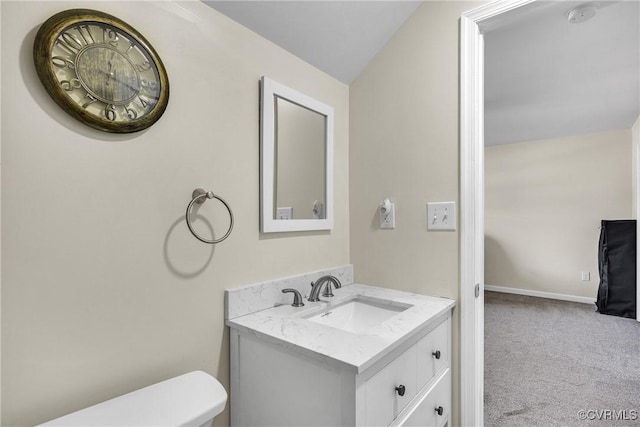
(617, 265)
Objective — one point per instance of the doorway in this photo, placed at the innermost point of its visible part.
(472, 129)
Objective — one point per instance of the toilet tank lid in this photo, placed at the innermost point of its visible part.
(187, 400)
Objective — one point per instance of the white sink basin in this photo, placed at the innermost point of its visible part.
(359, 316)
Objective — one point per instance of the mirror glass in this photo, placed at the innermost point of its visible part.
(296, 160)
(300, 136)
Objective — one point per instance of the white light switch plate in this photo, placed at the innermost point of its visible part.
(284, 213)
(441, 216)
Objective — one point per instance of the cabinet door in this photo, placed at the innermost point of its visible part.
(382, 401)
(426, 411)
(433, 353)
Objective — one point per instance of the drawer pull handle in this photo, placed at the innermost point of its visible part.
(401, 390)
(440, 410)
(436, 354)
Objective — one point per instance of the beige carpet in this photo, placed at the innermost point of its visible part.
(555, 363)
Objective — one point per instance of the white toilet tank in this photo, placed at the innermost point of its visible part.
(190, 400)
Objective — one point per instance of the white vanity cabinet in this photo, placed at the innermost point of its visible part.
(281, 385)
(424, 371)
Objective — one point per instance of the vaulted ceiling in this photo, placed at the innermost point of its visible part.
(337, 37)
(545, 77)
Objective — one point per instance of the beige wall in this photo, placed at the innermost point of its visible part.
(104, 289)
(543, 204)
(404, 145)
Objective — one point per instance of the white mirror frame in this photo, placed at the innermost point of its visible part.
(269, 90)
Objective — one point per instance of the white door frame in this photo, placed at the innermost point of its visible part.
(472, 208)
(635, 139)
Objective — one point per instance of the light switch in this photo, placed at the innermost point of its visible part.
(284, 213)
(441, 216)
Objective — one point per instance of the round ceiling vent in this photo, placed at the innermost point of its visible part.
(582, 13)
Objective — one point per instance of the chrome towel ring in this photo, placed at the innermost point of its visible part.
(199, 196)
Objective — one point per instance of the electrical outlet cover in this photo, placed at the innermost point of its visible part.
(388, 219)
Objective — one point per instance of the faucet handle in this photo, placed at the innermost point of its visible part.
(327, 290)
(329, 281)
(337, 282)
(297, 298)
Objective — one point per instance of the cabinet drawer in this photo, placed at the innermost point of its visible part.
(433, 353)
(426, 410)
(382, 402)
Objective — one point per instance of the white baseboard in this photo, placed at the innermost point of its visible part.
(539, 294)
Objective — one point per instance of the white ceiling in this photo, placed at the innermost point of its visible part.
(545, 78)
(337, 37)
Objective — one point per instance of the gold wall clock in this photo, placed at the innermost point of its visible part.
(101, 71)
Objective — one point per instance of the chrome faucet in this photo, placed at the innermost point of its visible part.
(317, 286)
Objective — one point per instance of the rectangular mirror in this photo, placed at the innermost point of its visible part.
(296, 160)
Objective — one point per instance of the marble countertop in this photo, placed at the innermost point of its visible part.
(288, 327)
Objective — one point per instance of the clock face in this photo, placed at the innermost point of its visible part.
(101, 71)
